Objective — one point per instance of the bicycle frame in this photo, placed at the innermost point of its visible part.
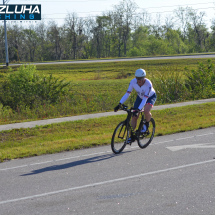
(128, 124)
(138, 131)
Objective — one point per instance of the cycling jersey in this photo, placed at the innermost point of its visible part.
(144, 92)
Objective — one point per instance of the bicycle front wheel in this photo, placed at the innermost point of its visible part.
(119, 138)
(145, 138)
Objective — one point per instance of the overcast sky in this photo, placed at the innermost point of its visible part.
(57, 10)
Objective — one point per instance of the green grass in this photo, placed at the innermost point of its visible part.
(19, 143)
(111, 70)
(98, 87)
(116, 70)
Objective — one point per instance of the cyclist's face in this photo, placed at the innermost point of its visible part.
(140, 81)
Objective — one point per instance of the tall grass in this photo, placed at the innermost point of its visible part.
(170, 85)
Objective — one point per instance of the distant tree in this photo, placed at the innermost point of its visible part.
(71, 28)
(2, 45)
(183, 16)
(88, 49)
(123, 16)
(198, 26)
(43, 50)
(139, 42)
(169, 22)
(143, 18)
(31, 42)
(116, 33)
(175, 42)
(156, 27)
(54, 35)
(211, 39)
(15, 42)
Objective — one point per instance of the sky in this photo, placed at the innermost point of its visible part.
(58, 9)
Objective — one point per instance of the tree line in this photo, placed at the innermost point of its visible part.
(120, 32)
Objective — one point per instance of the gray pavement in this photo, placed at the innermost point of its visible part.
(174, 175)
(90, 116)
(206, 55)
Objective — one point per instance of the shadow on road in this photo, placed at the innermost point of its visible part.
(73, 164)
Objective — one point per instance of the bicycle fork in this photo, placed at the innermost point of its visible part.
(129, 126)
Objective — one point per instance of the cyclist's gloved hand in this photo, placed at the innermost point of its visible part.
(117, 107)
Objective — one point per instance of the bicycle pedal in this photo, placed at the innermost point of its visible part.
(130, 141)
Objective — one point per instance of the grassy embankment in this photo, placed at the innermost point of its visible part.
(98, 87)
(19, 143)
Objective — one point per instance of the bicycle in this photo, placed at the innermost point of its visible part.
(124, 129)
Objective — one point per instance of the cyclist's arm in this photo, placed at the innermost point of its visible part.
(146, 96)
(142, 104)
(125, 97)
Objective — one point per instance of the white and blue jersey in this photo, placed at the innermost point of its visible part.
(144, 92)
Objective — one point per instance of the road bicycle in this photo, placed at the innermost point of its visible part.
(124, 130)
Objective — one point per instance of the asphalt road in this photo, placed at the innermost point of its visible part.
(127, 59)
(173, 175)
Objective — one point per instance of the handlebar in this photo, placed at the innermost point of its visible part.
(125, 108)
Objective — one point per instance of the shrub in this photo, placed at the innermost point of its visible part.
(200, 82)
(25, 87)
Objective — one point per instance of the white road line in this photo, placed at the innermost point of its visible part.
(193, 146)
(62, 159)
(98, 153)
(167, 141)
(9, 168)
(203, 134)
(105, 182)
(185, 138)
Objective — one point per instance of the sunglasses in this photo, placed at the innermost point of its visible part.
(139, 78)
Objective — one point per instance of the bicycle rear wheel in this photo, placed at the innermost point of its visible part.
(145, 138)
(119, 138)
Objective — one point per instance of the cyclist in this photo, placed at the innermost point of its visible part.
(146, 97)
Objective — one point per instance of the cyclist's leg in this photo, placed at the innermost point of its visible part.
(147, 112)
(135, 117)
(133, 124)
(134, 121)
(149, 105)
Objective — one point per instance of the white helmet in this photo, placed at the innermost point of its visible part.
(140, 73)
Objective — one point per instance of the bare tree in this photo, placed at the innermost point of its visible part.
(199, 27)
(31, 41)
(89, 23)
(71, 28)
(15, 42)
(98, 34)
(41, 31)
(169, 22)
(54, 35)
(183, 18)
(118, 30)
(143, 19)
(124, 14)
(156, 27)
